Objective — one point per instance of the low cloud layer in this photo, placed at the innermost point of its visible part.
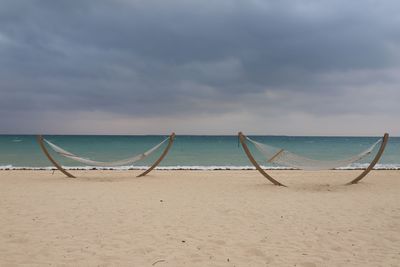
(136, 67)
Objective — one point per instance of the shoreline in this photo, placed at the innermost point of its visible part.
(193, 168)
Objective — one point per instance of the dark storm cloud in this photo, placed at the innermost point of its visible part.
(160, 58)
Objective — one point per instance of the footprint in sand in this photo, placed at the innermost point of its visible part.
(218, 242)
(308, 264)
(258, 253)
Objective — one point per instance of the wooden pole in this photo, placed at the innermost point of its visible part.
(46, 152)
(155, 164)
(242, 139)
(274, 156)
(374, 161)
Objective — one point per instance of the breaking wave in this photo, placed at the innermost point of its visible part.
(357, 166)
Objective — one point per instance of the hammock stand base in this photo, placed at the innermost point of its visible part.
(68, 174)
(242, 139)
(55, 163)
(165, 152)
(373, 162)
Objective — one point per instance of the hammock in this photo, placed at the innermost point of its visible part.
(282, 157)
(123, 162)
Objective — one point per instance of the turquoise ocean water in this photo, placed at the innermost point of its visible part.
(188, 152)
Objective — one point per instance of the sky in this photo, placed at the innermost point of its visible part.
(288, 67)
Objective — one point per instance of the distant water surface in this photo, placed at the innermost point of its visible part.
(188, 152)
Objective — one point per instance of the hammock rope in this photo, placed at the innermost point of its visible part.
(283, 157)
(123, 162)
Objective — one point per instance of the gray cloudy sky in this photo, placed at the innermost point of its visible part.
(288, 67)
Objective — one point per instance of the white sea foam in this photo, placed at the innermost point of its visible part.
(357, 166)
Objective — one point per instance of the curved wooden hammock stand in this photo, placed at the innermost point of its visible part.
(61, 169)
(378, 155)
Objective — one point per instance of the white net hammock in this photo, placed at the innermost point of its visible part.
(285, 158)
(123, 162)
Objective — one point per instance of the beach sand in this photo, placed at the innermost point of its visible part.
(199, 218)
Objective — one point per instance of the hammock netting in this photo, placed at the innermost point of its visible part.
(123, 162)
(285, 158)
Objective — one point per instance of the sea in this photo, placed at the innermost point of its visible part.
(189, 152)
